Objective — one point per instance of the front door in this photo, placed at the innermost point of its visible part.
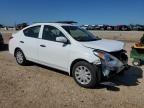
(51, 52)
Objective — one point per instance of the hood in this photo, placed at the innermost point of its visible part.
(105, 45)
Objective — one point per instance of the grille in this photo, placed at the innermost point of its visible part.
(117, 53)
(120, 55)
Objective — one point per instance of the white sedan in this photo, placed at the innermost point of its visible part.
(69, 48)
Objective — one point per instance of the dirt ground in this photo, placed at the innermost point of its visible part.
(36, 86)
(129, 36)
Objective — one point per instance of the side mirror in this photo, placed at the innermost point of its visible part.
(61, 39)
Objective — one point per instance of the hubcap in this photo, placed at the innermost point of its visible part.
(82, 75)
(19, 57)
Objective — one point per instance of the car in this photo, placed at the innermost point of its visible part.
(69, 48)
(138, 27)
(122, 28)
(91, 27)
(84, 27)
(101, 27)
(109, 27)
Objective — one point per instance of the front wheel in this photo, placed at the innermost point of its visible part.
(86, 75)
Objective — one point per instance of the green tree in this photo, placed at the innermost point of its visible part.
(21, 26)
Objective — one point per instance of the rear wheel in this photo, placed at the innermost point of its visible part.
(86, 75)
(20, 58)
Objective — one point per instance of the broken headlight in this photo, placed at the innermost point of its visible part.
(103, 55)
(109, 62)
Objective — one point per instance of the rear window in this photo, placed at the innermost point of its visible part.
(32, 32)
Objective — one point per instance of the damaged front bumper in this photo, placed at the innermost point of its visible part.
(108, 70)
(113, 62)
(113, 66)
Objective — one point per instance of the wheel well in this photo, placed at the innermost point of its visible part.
(16, 50)
(74, 62)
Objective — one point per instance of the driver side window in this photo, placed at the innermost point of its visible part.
(51, 33)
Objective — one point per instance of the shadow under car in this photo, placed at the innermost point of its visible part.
(130, 78)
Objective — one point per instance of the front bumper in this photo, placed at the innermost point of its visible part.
(113, 67)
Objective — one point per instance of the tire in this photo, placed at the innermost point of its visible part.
(20, 58)
(86, 74)
(136, 62)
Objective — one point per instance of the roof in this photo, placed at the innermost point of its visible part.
(59, 22)
(65, 22)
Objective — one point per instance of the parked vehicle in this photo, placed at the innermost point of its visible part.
(122, 28)
(96, 27)
(109, 27)
(138, 27)
(103, 27)
(91, 27)
(100, 27)
(69, 48)
(84, 27)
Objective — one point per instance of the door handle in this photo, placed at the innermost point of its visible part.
(42, 45)
(21, 41)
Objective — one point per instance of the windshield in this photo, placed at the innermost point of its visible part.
(80, 34)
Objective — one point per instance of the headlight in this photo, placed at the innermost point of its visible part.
(102, 55)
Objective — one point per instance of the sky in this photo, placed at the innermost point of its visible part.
(83, 11)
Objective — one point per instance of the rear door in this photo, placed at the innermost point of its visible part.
(29, 42)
